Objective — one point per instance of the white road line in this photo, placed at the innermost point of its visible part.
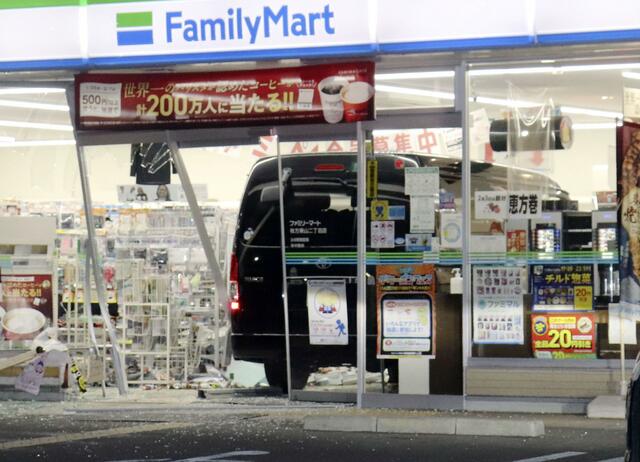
(92, 435)
(210, 458)
(557, 456)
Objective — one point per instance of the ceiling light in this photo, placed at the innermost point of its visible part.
(36, 125)
(7, 139)
(555, 69)
(503, 102)
(631, 75)
(30, 91)
(590, 112)
(32, 105)
(415, 92)
(414, 75)
(36, 143)
(594, 126)
(606, 98)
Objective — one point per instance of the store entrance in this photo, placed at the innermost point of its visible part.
(320, 230)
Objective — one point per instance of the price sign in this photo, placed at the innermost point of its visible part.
(583, 297)
(100, 99)
(563, 335)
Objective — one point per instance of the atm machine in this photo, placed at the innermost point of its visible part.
(546, 232)
(605, 239)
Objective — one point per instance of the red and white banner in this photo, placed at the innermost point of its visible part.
(332, 93)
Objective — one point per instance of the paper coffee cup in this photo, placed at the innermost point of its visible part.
(330, 90)
(355, 98)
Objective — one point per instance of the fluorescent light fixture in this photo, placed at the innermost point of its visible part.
(495, 101)
(600, 167)
(7, 139)
(555, 69)
(631, 75)
(414, 75)
(590, 112)
(503, 102)
(35, 125)
(415, 92)
(33, 105)
(594, 126)
(36, 143)
(29, 91)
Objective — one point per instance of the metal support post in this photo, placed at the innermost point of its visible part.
(361, 307)
(221, 288)
(285, 296)
(89, 315)
(92, 254)
(462, 105)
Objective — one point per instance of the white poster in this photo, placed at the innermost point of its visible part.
(31, 377)
(421, 181)
(423, 214)
(498, 308)
(491, 205)
(525, 204)
(159, 193)
(383, 234)
(631, 105)
(327, 307)
(480, 126)
(622, 324)
(406, 325)
(451, 230)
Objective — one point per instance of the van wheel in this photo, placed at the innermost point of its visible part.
(276, 373)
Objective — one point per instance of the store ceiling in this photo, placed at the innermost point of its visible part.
(583, 92)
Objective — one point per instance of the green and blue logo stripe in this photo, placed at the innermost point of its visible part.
(135, 28)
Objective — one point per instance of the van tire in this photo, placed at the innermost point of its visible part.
(276, 374)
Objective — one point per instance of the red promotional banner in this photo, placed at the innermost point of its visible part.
(563, 335)
(406, 310)
(332, 93)
(28, 291)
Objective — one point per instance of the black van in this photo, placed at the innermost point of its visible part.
(319, 188)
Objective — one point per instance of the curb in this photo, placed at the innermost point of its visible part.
(468, 426)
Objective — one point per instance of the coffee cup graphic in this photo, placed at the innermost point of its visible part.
(330, 90)
(355, 98)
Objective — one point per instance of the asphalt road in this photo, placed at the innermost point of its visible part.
(274, 433)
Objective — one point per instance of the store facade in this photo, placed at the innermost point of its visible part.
(508, 129)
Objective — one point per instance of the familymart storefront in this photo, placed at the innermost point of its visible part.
(482, 256)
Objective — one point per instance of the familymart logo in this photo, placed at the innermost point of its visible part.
(135, 28)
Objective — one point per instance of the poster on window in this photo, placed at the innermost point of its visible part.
(327, 308)
(563, 336)
(524, 204)
(498, 306)
(562, 287)
(491, 205)
(405, 310)
(422, 181)
(33, 291)
(628, 144)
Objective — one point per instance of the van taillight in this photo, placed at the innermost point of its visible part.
(329, 168)
(234, 297)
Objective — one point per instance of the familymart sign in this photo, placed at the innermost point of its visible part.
(121, 33)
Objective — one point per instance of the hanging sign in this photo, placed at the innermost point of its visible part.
(628, 145)
(406, 310)
(563, 335)
(562, 287)
(498, 307)
(491, 205)
(524, 204)
(327, 307)
(329, 93)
